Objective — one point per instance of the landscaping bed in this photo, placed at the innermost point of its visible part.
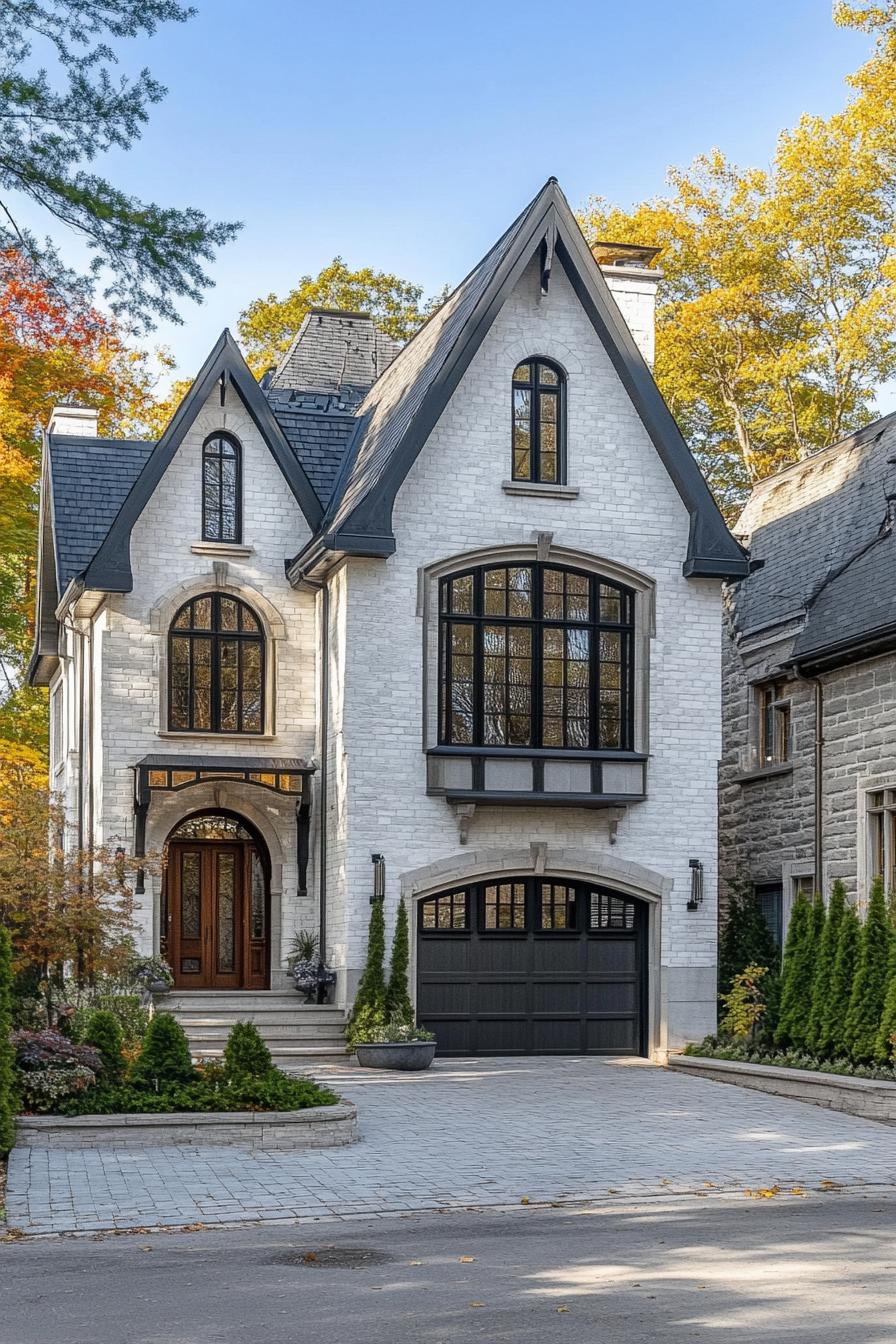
(873, 1098)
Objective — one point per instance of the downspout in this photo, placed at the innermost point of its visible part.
(81, 712)
(324, 718)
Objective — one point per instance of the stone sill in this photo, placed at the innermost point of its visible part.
(540, 490)
(216, 737)
(871, 1098)
(231, 548)
(767, 772)
(316, 1127)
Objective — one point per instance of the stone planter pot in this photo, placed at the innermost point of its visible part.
(396, 1055)
(157, 987)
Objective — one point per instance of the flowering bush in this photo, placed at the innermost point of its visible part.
(45, 1089)
(377, 1029)
(50, 1050)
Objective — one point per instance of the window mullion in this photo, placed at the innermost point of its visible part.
(478, 660)
(535, 424)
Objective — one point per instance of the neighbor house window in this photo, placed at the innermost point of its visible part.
(881, 812)
(770, 899)
(535, 655)
(221, 489)
(538, 422)
(216, 667)
(774, 723)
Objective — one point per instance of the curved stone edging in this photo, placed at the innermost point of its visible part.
(315, 1127)
(871, 1098)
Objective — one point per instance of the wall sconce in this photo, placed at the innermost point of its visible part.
(696, 868)
(379, 877)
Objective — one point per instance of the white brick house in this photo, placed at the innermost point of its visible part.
(457, 606)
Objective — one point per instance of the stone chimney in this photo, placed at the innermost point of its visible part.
(82, 421)
(632, 279)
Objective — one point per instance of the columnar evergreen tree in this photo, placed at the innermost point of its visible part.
(104, 1033)
(165, 1057)
(885, 1045)
(371, 994)
(7, 1072)
(869, 989)
(824, 968)
(832, 1037)
(398, 1000)
(797, 974)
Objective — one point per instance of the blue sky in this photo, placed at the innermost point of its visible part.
(406, 136)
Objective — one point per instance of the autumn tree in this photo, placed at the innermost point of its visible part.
(57, 121)
(777, 314)
(268, 325)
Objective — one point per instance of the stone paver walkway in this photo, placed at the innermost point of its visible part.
(469, 1133)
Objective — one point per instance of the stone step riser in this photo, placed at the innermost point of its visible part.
(214, 1019)
(199, 1040)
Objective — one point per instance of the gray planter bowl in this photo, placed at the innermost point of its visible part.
(397, 1055)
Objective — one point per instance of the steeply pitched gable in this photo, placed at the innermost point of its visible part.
(110, 569)
(404, 405)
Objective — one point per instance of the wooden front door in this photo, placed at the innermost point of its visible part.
(215, 939)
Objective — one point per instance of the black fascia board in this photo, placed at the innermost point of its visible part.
(712, 550)
(855, 649)
(110, 569)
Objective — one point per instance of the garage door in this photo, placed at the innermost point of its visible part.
(531, 966)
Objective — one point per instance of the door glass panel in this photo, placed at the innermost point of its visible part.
(226, 931)
(190, 900)
(256, 921)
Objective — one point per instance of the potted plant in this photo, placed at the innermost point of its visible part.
(152, 974)
(382, 1030)
(310, 975)
(392, 1043)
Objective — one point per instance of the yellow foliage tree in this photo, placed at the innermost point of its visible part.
(777, 318)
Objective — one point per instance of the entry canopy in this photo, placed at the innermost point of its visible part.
(287, 775)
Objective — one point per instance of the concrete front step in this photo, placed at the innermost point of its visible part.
(289, 1058)
(290, 1028)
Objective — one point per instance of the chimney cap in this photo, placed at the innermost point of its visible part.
(624, 254)
(74, 420)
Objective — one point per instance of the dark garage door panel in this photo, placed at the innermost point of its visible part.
(533, 993)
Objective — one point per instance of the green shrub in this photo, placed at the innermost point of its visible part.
(371, 994)
(127, 1009)
(744, 1003)
(398, 1000)
(165, 1057)
(745, 938)
(885, 1045)
(797, 974)
(744, 1052)
(104, 1034)
(832, 1040)
(245, 1052)
(869, 988)
(824, 969)
(8, 1099)
(275, 1092)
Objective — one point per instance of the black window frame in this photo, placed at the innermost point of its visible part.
(535, 388)
(580, 896)
(216, 457)
(538, 623)
(215, 634)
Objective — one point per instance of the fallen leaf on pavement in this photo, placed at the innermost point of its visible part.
(525, 1199)
(563, 1309)
(477, 1304)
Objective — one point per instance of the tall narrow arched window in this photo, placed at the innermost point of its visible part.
(535, 655)
(216, 667)
(539, 430)
(222, 487)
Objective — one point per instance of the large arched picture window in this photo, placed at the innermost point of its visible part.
(216, 667)
(535, 655)
(538, 422)
(222, 489)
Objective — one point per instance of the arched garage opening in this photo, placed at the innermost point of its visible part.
(533, 965)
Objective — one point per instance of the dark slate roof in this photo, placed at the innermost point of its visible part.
(856, 606)
(316, 432)
(808, 522)
(332, 349)
(91, 479)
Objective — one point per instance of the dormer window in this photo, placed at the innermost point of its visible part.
(222, 489)
(538, 422)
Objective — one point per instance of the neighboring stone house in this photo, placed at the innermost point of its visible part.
(455, 609)
(808, 778)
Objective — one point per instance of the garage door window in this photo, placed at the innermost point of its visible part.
(505, 906)
(611, 912)
(557, 910)
(445, 913)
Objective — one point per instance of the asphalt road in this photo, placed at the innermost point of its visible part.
(670, 1269)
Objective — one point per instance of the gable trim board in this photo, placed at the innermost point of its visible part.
(110, 568)
(548, 226)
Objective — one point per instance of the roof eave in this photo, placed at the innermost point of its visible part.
(854, 649)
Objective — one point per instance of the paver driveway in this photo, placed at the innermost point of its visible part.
(470, 1133)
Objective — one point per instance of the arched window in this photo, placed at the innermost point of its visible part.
(539, 413)
(535, 655)
(222, 488)
(216, 667)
